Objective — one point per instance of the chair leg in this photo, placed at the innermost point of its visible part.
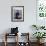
(5, 40)
(5, 43)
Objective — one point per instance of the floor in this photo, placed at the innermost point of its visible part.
(13, 44)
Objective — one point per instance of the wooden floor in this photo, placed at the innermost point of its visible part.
(13, 44)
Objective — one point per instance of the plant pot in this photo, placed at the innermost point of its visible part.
(40, 41)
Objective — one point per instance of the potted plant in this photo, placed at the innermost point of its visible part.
(39, 35)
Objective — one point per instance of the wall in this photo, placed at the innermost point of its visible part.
(29, 15)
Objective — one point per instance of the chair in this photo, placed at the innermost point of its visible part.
(7, 35)
(14, 32)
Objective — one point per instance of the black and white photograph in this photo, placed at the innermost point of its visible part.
(17, 13)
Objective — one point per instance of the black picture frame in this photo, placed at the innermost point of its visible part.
(17, 13)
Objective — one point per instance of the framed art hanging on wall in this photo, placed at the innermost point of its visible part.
(17, 13)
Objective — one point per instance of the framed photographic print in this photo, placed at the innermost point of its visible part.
(17, 13)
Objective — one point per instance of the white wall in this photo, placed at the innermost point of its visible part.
(29, 15)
